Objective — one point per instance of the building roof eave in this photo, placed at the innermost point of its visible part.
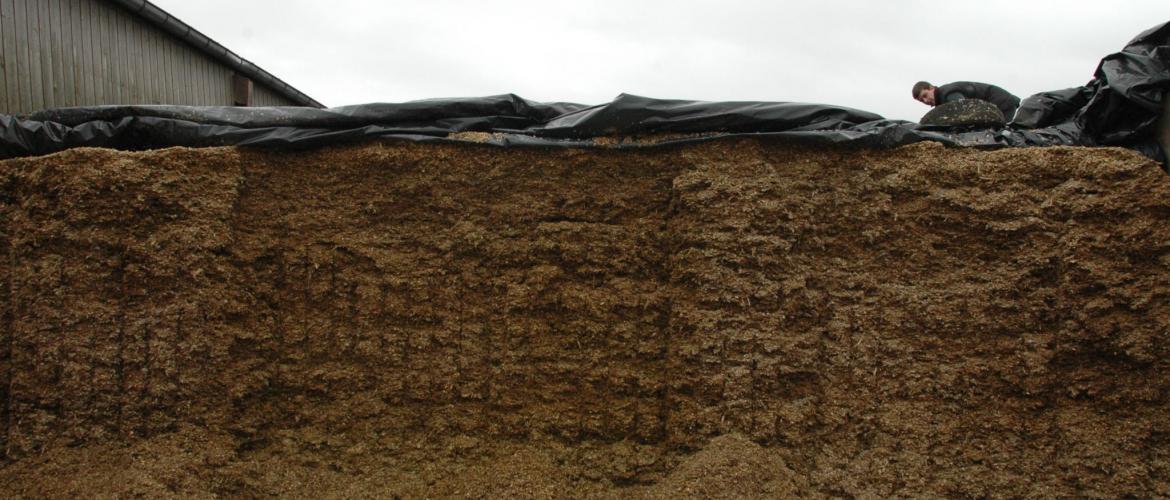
(163, 20)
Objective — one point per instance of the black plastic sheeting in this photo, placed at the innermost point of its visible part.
(1119, 107)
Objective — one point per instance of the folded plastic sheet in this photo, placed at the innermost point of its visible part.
(1119, 107)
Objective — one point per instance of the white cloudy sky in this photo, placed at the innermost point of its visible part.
(862, 54)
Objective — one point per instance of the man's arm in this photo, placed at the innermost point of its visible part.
(951, 92)
(951, 97)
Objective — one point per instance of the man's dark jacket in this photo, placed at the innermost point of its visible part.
(1001, 98)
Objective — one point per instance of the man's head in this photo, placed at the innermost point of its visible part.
(924, 93)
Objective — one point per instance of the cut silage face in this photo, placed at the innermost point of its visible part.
(427, 320)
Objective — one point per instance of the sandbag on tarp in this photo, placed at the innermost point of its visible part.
(1119, 107)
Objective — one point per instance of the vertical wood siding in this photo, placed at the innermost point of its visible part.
(60, 53)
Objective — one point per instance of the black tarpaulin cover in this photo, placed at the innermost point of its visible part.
(1119, 107)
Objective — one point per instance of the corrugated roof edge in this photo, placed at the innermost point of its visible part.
(160, 18)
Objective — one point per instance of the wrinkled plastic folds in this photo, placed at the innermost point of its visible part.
(1120, 106)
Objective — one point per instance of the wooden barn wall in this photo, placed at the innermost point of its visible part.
(57, 53)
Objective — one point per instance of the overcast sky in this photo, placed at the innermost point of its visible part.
(861, 54)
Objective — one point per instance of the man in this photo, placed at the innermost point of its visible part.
(933, 96)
